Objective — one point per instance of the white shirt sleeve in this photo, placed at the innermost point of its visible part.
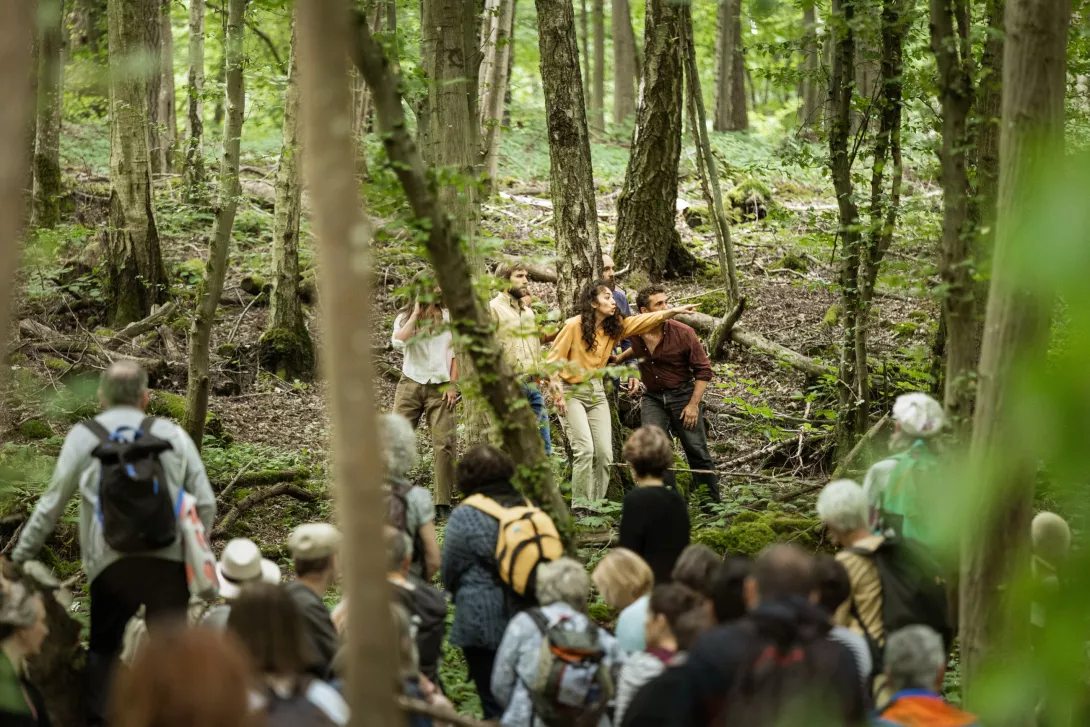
(398, 344)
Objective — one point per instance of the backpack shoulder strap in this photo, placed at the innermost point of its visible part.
(486, 505)
(97, 429)
(539, 620)
(146, 425)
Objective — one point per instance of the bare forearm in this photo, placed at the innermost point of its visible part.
(406, 332)
(698, 392)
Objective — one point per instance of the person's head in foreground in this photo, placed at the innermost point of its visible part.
(696, 568)
(267, 622)
(728, 589)
(650, 453)
(399, 550)
(485, 470)
(622, 577)
(652, 299)
(834, 587)
(842, 508)
(124, 383)
(241, 565)
(517, 276)
(563, 580)
(915, 664)
(22, 624)
(668, 604)
(780, 573)
(916, 416)
(185, 677)
(1051, 538)
(315, 551)
(398, 445)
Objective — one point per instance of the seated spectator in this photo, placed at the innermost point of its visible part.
(915, 664)
(186, 677)
(740, 672)
(521, 666)
(625, 581)
(696, 568)
(410, 509)
(666, 607)
(654, 518)
(22, 631)
(426, 605)
(240, 565)
(834, 590)
(728, 589)
(314, 548)
(268, 624)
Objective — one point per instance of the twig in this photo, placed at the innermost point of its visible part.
(284, 488)
(242, 315)
(839, 471)
(14, 539)
(234, 481)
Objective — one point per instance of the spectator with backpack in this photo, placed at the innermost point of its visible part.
(492, 546)
(915, 666)
(901, 489)
(834, 589)
(315, 549)
(625, 581)
(129, 469)
(409, 507)
(268, 624)
(776, 666)
(553, 665)
(427, 605)
(654, 518)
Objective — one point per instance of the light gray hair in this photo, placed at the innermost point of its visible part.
(399, 546)
(398, 444)
(913, 658)
(563, 581)
(123, 384)
(842, 505)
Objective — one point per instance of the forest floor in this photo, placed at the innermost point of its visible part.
(770, 431)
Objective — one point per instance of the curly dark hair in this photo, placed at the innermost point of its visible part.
(613, 326)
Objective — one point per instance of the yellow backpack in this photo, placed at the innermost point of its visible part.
(528, 537)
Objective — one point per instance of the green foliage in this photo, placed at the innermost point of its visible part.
(752, 532)
(35, 429)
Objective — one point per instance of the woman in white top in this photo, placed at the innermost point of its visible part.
(429, 376)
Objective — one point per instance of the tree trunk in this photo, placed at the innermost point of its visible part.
(193, 171)
(135, 276)
(493, 81)
(343, 245)
(624, 61)
(211, 287)
(951, 44)
(585, 26)
(88, 22)
(286, 347)
(47, 151)
(739, 118)
(867, 45)
(989, 98)
(647, 206)
(810, 87)
(501, 393)
(853, 388)
(730, 79)
(598, 92)
(168, 114)
(152, 66)
(510, 65)
(575, 214)
(993, 624)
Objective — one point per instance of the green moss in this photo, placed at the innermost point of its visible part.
(253, 284)
(190, 271)
(752, 532)
(35, 429)
(18, 359)
(791, 261)
(683, 479)
(288, 354)
(172, 406)
(713, 304)
(920, 316)
(104, 332)
(697, 216)
(601, 613)
(228, 351)
(905, 329)
(56, 364)
(747, 516)
(832, 316)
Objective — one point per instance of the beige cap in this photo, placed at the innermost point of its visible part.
(313, 541)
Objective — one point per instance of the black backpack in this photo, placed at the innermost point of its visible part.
(913, 592)
(397, 515)
(134, 503)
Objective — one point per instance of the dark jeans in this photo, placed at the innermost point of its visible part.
(663, 410)
(532, 392)
(480, 662)
(116, 594)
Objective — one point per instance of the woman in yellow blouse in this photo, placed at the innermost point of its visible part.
(583, 347)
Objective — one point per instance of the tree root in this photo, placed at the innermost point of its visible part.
(248, 502)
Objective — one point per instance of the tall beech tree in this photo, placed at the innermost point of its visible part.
(286, 346)
(994, 622)
(598, 87)
(730, 72)
(215, 269)
(575, 212)
(167, 113)
(193, 165)
(810, 86)
(45, 210)
(135, 276)
(497, 33)
(625, 66)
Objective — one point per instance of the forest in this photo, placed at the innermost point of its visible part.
(862, 198)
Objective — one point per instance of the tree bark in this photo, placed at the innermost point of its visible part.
(136, 278)
(168, 114)
(810, 88)
(647, 206)
(989, 98)
(853, 386)
(518, 427)
(152, 66)
(88, 24)
(951, 44)
(739, 117)
(624, 61)
(598, 90)
(730, 82)
(193, 171)
(286, 347)
(493, 82)
(211, 287)
(994, 624)
(47, 128)
(585, 27)
(343, 245)
(575, 214)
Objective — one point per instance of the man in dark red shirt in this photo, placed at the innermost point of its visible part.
(674, 373)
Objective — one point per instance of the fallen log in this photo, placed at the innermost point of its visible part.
(706, 324)
(538, 272)
(256, 498)
(257, 478)
(138, 328)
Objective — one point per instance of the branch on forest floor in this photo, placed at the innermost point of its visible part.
(256, 498)
(748, 339)
(842, 467)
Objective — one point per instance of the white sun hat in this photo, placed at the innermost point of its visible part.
(241, 564)
(919, 415)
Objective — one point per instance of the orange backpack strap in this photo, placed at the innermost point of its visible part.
(487, 505)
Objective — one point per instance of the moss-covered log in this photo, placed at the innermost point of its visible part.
(172, 406)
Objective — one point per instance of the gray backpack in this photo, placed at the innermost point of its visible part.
(573, 687)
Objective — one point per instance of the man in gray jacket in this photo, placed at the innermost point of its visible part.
(120, 582)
